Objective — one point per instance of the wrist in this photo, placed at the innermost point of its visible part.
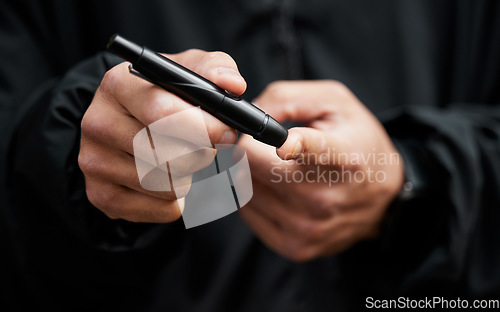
(422, 182)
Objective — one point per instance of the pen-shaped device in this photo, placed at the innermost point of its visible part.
(175, 78)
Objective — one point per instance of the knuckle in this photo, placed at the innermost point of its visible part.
(92, 164)
(297, 251)
(91, 127)
(316, 233)
(86, 123)
(82, 161)
(191, 53)
(301, 256)
(275, 89)
(337, 87)
(303, 227)
(88, 163)
(104, 201)
(217, 56)
(111, 80)
(204, 62)
(311, 231)
(110, 204)
(322, 205)
(110, 213)
(216, 59)
(93, 124)
(186, 56)
(160, 105)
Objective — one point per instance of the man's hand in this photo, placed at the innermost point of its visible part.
(332, 180)
(122, 106)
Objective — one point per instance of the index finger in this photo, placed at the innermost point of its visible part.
(149, 103)
(304, 101)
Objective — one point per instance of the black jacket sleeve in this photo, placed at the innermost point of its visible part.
(445, 234)
(43, 168)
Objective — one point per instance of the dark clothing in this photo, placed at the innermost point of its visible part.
(428, 69)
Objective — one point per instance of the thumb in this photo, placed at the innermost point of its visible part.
(305, 141)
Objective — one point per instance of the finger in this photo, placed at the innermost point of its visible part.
(273, 236)
(313, 143)
(268, 231)
(119, 202)
(183, 157)
(303, 101)
(193, 126)
(102, 123)
(119, 168)
(274, 207)
(190, 163)
(149, 104)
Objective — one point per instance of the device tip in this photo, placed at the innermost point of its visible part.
(273, 134)
(124, 48)
(111, 41)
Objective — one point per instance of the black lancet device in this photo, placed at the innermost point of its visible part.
(175, 78)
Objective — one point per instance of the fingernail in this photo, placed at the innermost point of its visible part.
(226, 70)
(297, 148)
(229, 137)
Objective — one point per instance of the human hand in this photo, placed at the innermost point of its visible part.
(331, 182)
(122, 106)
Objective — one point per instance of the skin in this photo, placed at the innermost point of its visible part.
(306, 219)
(122, 106)
(301, 220)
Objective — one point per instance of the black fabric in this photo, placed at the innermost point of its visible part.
(428, 69)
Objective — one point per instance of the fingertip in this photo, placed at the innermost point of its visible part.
(293, 146)
(230, 79)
